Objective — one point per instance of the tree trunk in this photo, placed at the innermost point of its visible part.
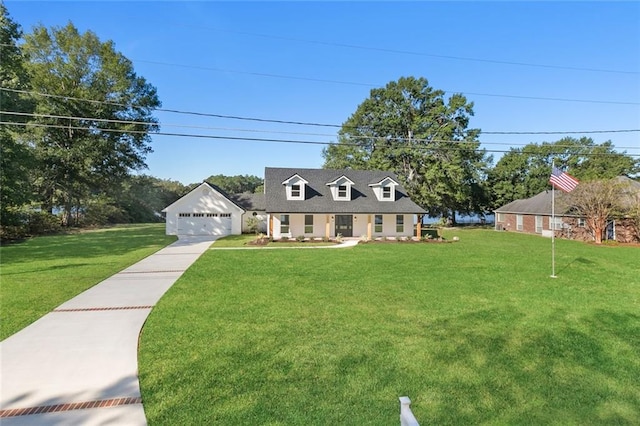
(597, 234)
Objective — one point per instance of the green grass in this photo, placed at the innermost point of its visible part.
(473, 332)
(42, 273)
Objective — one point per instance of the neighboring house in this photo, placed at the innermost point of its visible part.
(208, 210)
(324, 203)
(533, 216)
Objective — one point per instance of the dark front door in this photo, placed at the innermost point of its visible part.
(344, 225)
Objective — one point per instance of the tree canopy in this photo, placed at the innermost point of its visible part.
(411, 129)
(93, 129)
(524, 172)
(237, 184)
(16, 159)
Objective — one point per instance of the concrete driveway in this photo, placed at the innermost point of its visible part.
(78, 365)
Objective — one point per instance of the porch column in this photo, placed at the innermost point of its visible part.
(419, 227)
(270, 234)
(369, 227)
(327, 226)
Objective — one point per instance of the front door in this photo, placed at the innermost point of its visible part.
(344, 225)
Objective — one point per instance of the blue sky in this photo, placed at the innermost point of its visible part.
(316, 62)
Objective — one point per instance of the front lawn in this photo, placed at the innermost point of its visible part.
(40, 274)
(473, 332)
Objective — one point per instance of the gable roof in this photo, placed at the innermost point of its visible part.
(318, 197)
(206, 185)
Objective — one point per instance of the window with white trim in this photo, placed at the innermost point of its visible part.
(284, 223)
(581, 222)
(557, 225)
(386, 192)
(198, 215)
(295, 191)
(378, 223)
(399, 223)
(500, 217)
(342, 191)
(308, 224)
(184, 214)
(519, 222)
(538, 224)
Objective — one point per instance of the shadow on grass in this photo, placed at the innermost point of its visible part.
(88, 244)
(583, 372)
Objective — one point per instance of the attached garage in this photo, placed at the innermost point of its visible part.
(205, 211)
(204, 224)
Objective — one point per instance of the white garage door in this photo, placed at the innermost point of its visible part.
(204, 224)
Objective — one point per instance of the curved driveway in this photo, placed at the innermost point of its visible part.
(78, 365)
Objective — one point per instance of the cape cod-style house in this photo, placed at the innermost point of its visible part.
(314, 203)
(327, 203)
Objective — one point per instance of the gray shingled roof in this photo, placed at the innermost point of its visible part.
(541, 204)
(318, 194)
(538, 204)
(249, 201)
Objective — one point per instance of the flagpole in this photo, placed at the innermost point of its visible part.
(553, 226)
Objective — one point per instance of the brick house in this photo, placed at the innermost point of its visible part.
(533, 216)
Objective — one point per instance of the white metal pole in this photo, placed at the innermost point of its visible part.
(553, 226)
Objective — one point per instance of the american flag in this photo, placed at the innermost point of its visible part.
(563, 180)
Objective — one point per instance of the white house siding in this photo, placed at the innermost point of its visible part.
(210, 208)
(389, 226)
(360, 225)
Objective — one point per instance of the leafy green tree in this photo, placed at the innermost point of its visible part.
(524, 172)
(143, 197)
(16, 157)
(409, 128)
(236, 184)
(89, 147)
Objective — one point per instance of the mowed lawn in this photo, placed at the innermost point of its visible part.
(473, 332)
(38, 275)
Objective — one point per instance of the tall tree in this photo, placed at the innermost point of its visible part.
(96, 125)
(409, 128)
(524, 172)
(16, 157)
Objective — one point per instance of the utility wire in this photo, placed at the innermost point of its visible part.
(456, 147)
(302, 123)
(415, 53)
(363, 137)
(351, 83)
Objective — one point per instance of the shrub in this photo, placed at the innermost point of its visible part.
(42, 223)
(300, 238)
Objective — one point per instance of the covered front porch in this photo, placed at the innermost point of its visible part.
(330, 225)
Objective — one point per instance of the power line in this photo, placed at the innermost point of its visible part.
(456, 147)
(302, 123)
(351, 83)
(432, 55)
(363, 137)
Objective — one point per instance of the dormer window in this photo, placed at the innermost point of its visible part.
(295, 187)
(385, 190)
(341, 188)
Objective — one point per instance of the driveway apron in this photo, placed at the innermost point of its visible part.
(78, 365)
